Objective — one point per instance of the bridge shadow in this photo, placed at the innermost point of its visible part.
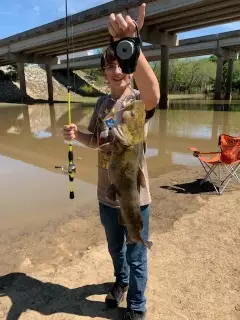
(27, 293)
(10, 93)
(78, 84)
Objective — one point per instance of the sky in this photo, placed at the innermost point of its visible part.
(20, 15)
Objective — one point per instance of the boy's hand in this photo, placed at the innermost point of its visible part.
(120, 27)
(70, 132)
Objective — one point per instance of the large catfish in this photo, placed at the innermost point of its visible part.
(125, 172)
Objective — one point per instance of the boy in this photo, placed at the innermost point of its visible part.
(129, 261)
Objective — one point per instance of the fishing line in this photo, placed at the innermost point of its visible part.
(71, 169)
(71, 166)
(73, 53)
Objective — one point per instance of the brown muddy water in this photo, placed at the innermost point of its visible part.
(31, 144)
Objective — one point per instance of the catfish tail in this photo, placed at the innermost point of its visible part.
(148, 244)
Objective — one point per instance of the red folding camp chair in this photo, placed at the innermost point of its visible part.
(227, 160)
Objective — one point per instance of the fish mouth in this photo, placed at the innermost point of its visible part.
(112, 113)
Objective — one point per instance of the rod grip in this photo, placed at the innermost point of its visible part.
(70, 155)
(71, 195)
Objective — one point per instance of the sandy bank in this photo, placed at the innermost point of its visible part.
(193, 265)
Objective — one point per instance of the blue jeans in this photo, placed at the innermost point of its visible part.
(129, 261)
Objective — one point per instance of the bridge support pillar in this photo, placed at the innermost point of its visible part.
(26, 121)
(49, 83)
(219, 77)
(21, 75)
(163, 104)
(224, 54)
(165, 40)
(228, 93)
(53, 119)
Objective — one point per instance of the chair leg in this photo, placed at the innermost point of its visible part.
(220, 181)
(208, 176)
(208, 173)
(232, 174)
(221, 184)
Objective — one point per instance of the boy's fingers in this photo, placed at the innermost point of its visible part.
(69, 128)
(121, 22)
(131, 24)
(114, 24)
(141, 15)
(111, 30)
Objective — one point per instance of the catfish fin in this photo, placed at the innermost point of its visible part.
(102, 146)
(141, 178)
(129, 240)
(106, 147)
(146, 243)
(121, 220)
(112, 192)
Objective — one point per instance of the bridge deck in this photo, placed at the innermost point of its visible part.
(204, 45)
(90, 26)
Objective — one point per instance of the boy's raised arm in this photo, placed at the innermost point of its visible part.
(147, 83)
(144, 76)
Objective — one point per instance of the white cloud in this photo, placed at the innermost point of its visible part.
(37, 9)
(14, 10)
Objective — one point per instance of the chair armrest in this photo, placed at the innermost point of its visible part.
(197, 152)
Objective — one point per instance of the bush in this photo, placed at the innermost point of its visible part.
(10, 75)
(87, 89)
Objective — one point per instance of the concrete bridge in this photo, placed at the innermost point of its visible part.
(199, 46)
(164, 19)
(224, 45)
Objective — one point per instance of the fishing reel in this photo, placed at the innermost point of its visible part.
(67, 170)
(127, 51)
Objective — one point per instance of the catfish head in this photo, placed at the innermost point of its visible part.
(129, 129)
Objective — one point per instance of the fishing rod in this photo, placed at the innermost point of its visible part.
(71, 169)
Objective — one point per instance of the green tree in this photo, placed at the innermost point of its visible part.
(213, 58)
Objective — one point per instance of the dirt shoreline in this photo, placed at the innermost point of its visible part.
(63, 270)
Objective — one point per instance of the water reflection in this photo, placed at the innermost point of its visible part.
(33, 134)
(32, 196)
(31, 144)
